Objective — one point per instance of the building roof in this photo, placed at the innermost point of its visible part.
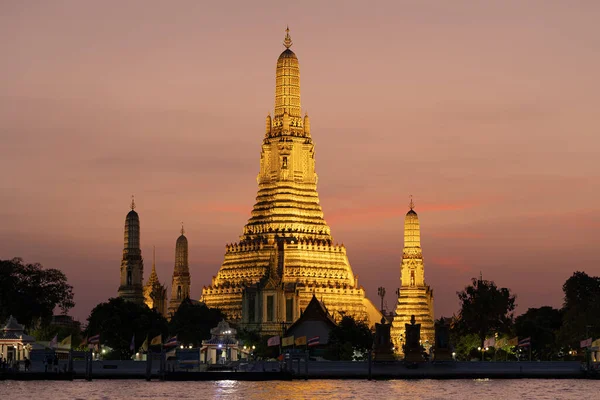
(315, 311)
(12, 325)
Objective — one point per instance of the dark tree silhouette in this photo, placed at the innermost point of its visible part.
(117, 320)
(485, 309)
(542, 325)
(581, 309)
(349, 336)
(192, 322)
(31, 293)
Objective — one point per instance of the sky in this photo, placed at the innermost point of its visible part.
(486, 112)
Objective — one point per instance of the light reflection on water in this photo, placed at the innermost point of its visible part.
(329, 389)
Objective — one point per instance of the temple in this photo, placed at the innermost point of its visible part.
(132, 264)
(180, 285)
(286, 254)
(155, 294)
(416, 298)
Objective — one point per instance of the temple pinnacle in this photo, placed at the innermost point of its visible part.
(132, 202)
(411, 204)
(182, 230)
(287, 42)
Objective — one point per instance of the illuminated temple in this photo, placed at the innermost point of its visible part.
(416, 298)
(286, 252)
(155, 293)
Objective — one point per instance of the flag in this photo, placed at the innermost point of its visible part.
(145, 345)
(300, 341)
(156, 340)
(500, 343)
(171, 342)
(513, 342)
(585, 343)
(273, 341)
(132, 344)
(66, 342)
(525, 342)
(288, 341)
(94, 339)
(313, 341)
(489, 342)
(54, 342)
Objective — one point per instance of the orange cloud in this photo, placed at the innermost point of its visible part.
(454, 263)
(457, 235)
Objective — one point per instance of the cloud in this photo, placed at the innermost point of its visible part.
(454, 263)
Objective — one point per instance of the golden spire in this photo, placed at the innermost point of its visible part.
(287, 85)
(287, 42)
(182, 230)
(411, 204)
(153, 259)
(132, 202)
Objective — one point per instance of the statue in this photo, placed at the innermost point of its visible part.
(442, 350)
(413, 349)
(382, 346)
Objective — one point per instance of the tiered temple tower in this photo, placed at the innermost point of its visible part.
(286, 252)
(416, 298)
(180, 287)
(132, 264)
(155, 294)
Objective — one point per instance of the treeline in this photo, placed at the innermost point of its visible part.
(487, 316)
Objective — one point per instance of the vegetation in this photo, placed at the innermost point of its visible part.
(192, 322)
(485, 309)
(542, 325)
(48, 332)
(31, 293)
(581, 309)
(117, 321)
(348, 338)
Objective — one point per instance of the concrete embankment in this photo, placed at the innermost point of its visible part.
(321, 370)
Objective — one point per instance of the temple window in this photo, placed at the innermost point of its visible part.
(270, 308)
(289, 309)
(178, 292)
(284, 163)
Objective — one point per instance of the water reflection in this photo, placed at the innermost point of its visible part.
(329, 389)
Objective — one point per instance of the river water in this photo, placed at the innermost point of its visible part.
(312, 389)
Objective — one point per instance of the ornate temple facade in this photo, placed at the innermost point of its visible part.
(181, 283)
(286, 253)
(155, 294)
(416, 298)
(132, 264)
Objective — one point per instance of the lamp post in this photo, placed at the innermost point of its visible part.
(381, 293)
(482, 350)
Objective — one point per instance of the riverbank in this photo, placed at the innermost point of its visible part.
(267, 371)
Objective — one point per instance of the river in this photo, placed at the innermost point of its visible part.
(329, 389)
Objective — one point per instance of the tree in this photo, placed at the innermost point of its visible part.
(485, 309)
(348, 337)
(31, 293)
(581, 309)
(192, 322)
(48, 332)
(542, 325)
(117, 321)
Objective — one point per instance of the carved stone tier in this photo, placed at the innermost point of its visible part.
(286, 252)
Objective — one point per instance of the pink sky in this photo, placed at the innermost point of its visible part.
(487, 112)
